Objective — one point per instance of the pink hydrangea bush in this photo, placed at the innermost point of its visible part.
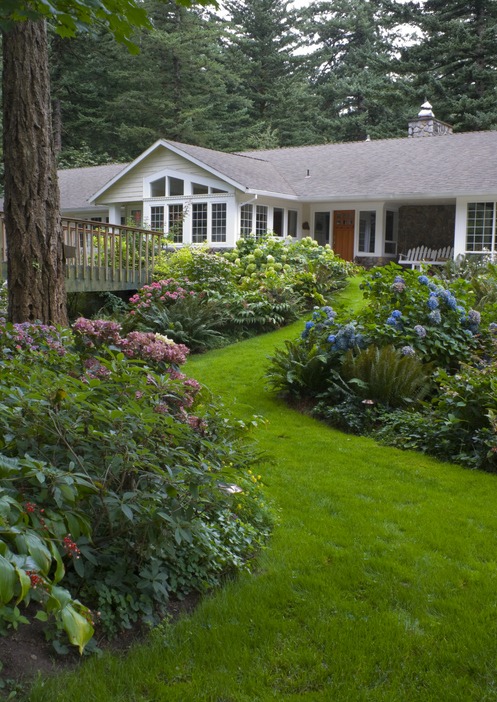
(162, 292)
(145, 346)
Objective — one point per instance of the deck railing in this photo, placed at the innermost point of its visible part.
(103, 256)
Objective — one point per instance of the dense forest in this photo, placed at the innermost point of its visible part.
(261, 73)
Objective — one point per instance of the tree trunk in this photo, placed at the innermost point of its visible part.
(36, 281)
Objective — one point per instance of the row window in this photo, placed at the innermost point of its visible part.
(176, 214)
(168, 186)
(254, 220)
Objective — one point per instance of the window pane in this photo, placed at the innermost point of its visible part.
(215, 191)
(278, 215)
(176, 186)
(367, 231)
(219, 221)
(390, 234)
(158, 188)
(198, 189)
(260, 220)
(292, 223)
(175, 223)
(199, 222)
(479, 226)
(246, 220)
(157, 219)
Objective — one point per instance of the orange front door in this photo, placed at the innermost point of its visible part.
(343, 233)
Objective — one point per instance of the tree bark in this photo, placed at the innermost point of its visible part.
(36, 282)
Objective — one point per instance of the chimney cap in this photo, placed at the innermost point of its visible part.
(426, 110)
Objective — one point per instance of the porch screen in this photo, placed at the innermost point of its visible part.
(480, 227)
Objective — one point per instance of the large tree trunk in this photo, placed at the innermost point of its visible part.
(32, 208)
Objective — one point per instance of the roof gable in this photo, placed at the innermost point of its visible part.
(247, 173)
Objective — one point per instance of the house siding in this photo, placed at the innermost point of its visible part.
(421, 225)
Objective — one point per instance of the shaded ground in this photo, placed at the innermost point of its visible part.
(25, 653)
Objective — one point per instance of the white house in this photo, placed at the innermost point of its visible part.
(369, 200)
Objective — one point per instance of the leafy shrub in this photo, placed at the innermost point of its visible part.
(208, 272)
(127, 463)
(297, 371)
(302, 267)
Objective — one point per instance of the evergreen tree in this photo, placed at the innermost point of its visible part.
(354, 72)
(262, 42)
(178, 87)
(455, 63)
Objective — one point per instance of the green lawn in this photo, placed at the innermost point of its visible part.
(380, 581)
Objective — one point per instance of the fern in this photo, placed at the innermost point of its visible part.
(386, 375)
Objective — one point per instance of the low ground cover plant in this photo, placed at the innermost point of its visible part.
(122, 482)
(415, 367)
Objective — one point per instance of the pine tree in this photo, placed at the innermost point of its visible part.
(353, 66)
(454, 64)
(262, 43)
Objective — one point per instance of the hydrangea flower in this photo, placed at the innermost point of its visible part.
(398, 287)
(408, 351)
(432, 303)
(309, 325)
(423, 279)
(420, 331)
(396, 314)
(399, 279)
(492, 328)
(332, 338)
(474, 317)
(435, 317)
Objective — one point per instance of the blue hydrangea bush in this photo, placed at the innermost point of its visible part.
(452, 355)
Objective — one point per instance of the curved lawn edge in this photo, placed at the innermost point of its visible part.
(378, 584)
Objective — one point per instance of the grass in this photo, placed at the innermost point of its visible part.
(379, 583)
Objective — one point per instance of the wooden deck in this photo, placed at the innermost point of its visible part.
(102, 256)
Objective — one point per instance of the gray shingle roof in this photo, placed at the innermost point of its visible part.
(253, 171)
(450, 164)
(77, 185)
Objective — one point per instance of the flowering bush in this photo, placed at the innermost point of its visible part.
(147, 346)
(410, 309)
(16, 338)
(301, 267)
(160, 291)
(126, 459)
(417, 335)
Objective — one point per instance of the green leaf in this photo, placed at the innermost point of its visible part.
(41, 616)
(8, 581)
(60, 570)
(25, 582)
(127, 511)
(78, 629)
(38, 551)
